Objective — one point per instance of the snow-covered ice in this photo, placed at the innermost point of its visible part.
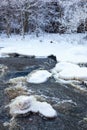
(69, 71)
(24, 104)
(64, 65)
(38, 76)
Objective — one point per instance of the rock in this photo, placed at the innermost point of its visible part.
(53, 58)
(18, 55)
(13, 54)
(51, 41)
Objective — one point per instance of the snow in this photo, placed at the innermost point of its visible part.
(38, 76)
(70, 50)
(24, 104)
(46, 109)
(69, 71)
(64, 65)
(67, 47)
(20, 105)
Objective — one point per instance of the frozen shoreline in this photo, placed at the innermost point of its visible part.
(66, 47)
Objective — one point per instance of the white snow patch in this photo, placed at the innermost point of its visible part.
(46, 109)
(64, 65)
(38, 76)
(70, 71)
(25, 104)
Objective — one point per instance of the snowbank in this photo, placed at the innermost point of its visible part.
(67, 47)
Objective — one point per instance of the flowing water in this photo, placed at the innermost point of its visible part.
(69, 102)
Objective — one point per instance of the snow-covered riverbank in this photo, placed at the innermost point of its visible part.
(66, 47)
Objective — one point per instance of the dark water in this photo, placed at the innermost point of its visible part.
(70, 104)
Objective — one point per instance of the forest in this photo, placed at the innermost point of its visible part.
(50, 16)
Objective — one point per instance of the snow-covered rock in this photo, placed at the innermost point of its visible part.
(21, 105)
(64, 65)
(24, 104)
(46, 110)
(38, 76)
(70, 71)
(79, 74)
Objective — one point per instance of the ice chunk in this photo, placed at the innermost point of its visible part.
(74, 74)
(21, 104)
(64, 65)
(46, 110)
(69, 71)
(38, 76)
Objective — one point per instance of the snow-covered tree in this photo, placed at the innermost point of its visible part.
(52, 16)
